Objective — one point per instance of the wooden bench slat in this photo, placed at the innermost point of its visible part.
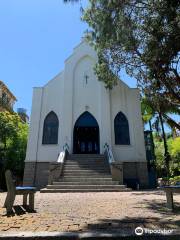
(26, 188)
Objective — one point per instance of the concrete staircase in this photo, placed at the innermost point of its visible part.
(85, 173)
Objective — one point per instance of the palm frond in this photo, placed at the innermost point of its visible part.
(170, 122)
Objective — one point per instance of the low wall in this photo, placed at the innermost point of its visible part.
(40, 177)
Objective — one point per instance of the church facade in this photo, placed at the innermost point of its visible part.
(76, 110)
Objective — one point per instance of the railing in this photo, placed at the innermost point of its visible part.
(66, 147)
(108, 153)
(62, 155)
(115, 167)
(56, 168)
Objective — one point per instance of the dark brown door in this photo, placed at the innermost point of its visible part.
(86, 134)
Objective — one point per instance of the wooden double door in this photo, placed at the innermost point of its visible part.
(86, 140)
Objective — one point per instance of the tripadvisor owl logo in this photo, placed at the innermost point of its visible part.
(139, 231)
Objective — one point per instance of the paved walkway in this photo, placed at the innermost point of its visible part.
(81, 212)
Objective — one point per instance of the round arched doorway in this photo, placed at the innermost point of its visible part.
(86, 134)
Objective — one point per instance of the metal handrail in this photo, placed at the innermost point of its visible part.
(109, 153)
(62, 155)
(66, 147)
(56, 168)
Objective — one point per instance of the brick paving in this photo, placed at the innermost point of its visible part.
(79, 212)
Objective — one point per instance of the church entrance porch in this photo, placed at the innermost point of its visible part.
(86, 135)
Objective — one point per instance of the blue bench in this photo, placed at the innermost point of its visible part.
(12, 191)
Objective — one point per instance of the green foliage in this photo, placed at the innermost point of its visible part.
(155, 111)
(175, 153)
(159, 152)
(175, 180)
(146, 110)
(174, 149)
(140, 36)
(8, 127)
(13, 141)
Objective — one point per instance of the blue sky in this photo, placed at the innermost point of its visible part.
(36, 36)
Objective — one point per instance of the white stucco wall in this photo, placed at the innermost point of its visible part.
(127, 101)
(69, 96)
(32, 146)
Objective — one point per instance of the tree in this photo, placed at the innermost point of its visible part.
(8, 128)
(147, 112)
(175, 153)
(13, 141)
(158, 108)
(141, 36)
(174, 148)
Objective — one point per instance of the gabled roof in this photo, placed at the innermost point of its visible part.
(7, 89)
(78, 48)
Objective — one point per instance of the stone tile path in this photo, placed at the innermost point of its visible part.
(91, 212)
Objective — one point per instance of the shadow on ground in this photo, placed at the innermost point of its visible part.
(128, 225)
(19, 210)
(158, 206)
(146, 192)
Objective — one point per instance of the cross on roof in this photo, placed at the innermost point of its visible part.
(86, 78)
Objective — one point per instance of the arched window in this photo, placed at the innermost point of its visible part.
(121, 129)
(50, 130)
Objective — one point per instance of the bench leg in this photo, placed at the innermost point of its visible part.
(31, 201)
(10, 202)
(169, 197)
(25, 199)
(7, 200)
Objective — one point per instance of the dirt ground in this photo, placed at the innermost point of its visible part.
(79, 212)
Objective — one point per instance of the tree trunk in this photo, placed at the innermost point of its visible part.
(166, 152)
(150, 126)
(5, 143)
(153, 146)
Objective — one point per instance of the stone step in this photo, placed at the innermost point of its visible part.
(94, 166)
(90, 186)
(92, 175)
(85, 179)
(80, 171)
(86, 162)
(46, 190)
(85, 168)
(86, 173)
(99, 182)
(85, 156)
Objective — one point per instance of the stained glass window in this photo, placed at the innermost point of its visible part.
(121, 129)
(50, 130)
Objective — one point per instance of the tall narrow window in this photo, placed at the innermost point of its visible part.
(50, 130)
(121, 129)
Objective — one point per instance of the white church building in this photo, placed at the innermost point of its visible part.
(75, 110)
